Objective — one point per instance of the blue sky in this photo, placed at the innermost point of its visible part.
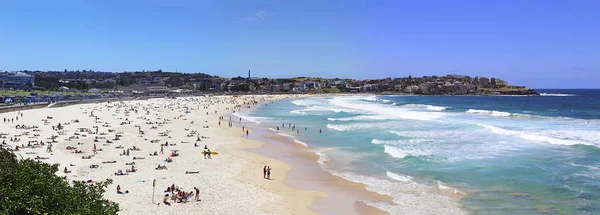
(542, 44)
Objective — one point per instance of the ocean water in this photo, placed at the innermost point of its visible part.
(503, 154)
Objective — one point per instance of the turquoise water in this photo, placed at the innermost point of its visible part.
(509, 155)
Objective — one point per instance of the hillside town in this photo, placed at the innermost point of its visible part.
(149, 82)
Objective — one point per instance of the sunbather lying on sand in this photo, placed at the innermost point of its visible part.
(94, 166)
(120, 172)
(86, 157)
(109, 161)
(40, 158)
(139, 158)
(154, 154)
(190, 172)
(132, 163)
(159, 167)
(133, 169)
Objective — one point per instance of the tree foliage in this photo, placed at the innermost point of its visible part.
(32, 187)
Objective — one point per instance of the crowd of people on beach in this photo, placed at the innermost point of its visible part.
(97, 146)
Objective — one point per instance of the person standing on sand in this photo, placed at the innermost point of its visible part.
(197, 194)
(265, 172)
(247, 133)
(161, 149)
(95, 149)
(269, 172)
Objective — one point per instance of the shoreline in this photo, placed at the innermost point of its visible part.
(371, 199)
(307, 174)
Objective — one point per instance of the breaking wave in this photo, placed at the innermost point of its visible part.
(391, 112)
(410, 197)
(402, 178)
(556, 94)
(489, 112)
(428, 107)
(533, 137)
(359, 118)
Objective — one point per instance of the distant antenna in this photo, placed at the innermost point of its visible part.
(248, 74)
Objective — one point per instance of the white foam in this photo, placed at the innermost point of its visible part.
(360, 118)
(291, 137)
(556, 94)
(436, 108)
(352, 127)
(404, 142)
(255, 120)
(370, 98)
(391, 112)
(428, 107)
(531, 136)
(402, 178)
(488, 112)
(478, 111)
(378, 141)
(336, 127)
(397, 133)
(409, 198)
(306, 102)
(300, 142)
(316, 108)
(297, 112)
(323, 158)
(394, 152)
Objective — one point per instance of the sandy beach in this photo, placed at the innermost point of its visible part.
(118, 140)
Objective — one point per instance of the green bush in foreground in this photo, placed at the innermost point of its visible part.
(32, 187)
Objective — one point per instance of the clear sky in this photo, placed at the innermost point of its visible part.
(541, 44)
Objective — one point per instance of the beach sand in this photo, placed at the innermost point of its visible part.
(229, 183)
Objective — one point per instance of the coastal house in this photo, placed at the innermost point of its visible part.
(287, 86)
(157, 89)
(354, 89)
(398, 87)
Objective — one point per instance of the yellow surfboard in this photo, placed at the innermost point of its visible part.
(212, 153)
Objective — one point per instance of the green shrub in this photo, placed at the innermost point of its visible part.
(32, 187)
